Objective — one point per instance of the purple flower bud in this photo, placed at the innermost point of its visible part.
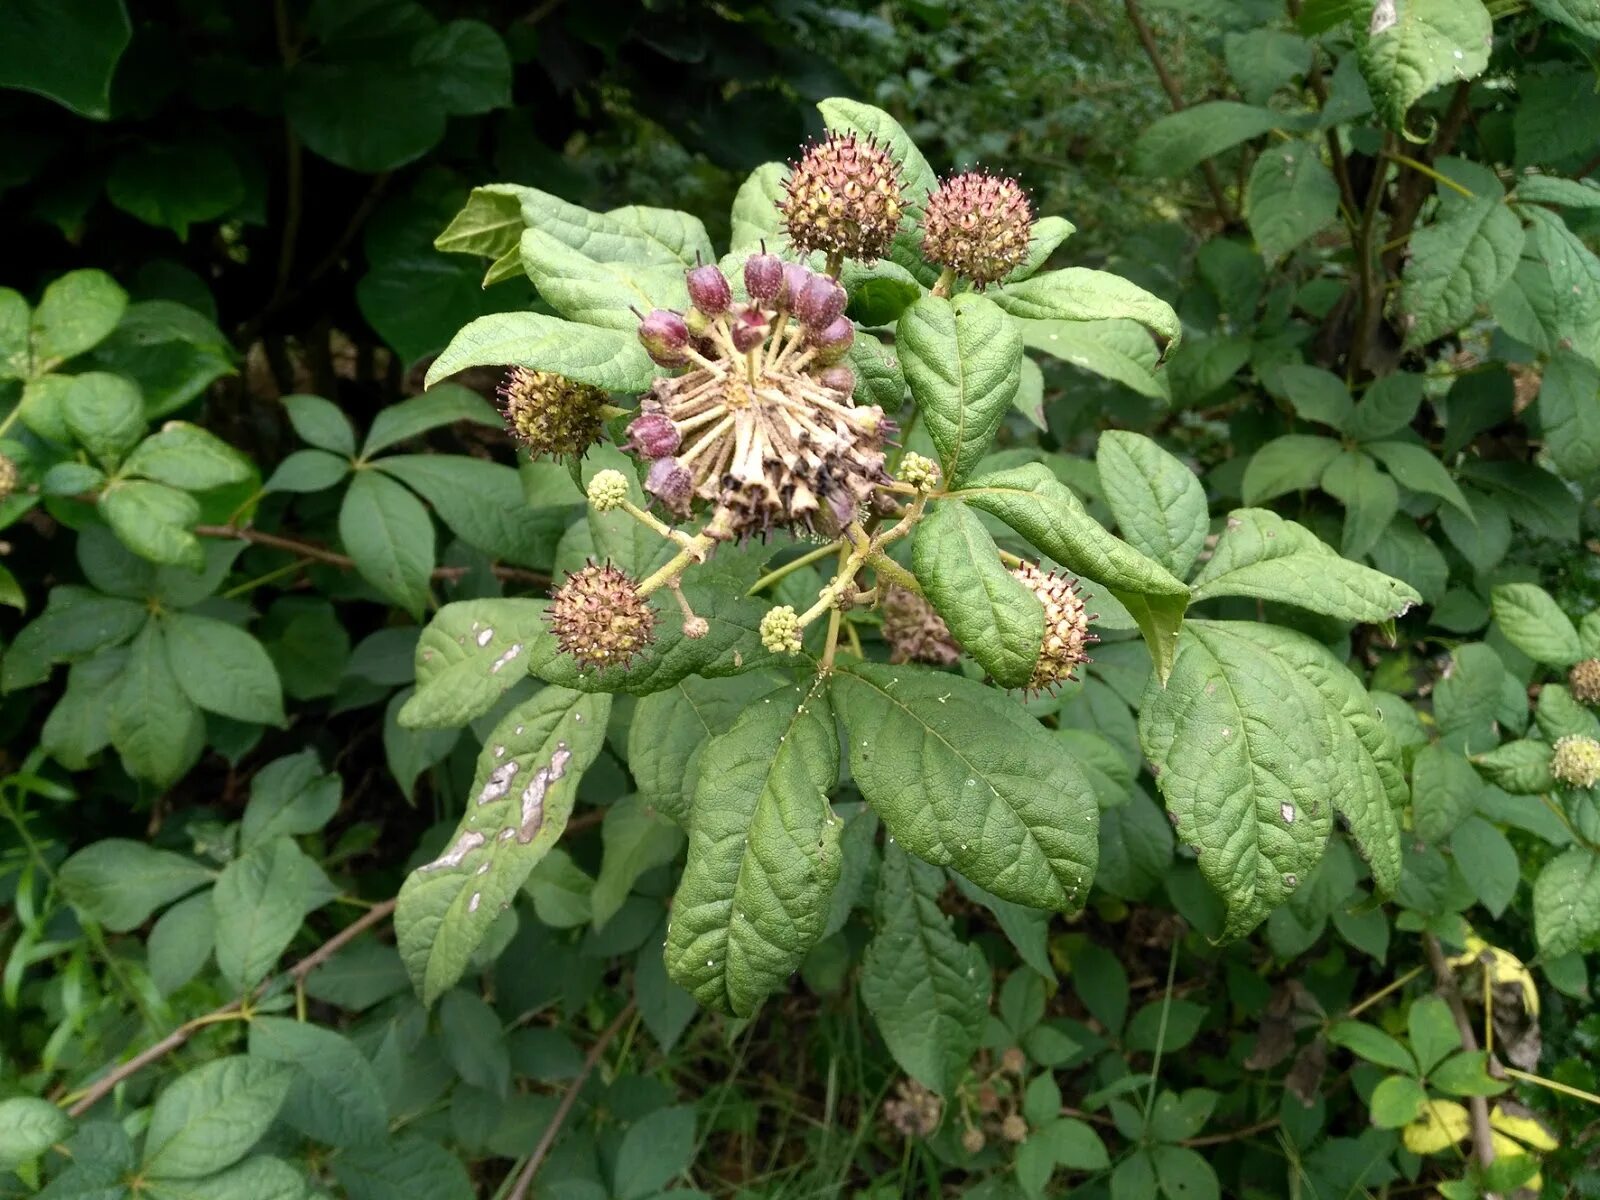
(795, 278)
(669, 481)
(820, 302)
(749, 330)
(763, 277)
(839, 379)
(709, 290)
(653, 435)
(665, 336)
(833, 342)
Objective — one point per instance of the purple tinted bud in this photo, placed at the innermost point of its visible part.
(669, 481)
(749, 330)
(709, 290)
(821, 302)
(665, 336)
(763, 277)
(654, 436)
(795, 278)
(833, 343)
(839, 379)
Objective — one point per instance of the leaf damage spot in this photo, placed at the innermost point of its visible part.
(533, 795)
(465, 845)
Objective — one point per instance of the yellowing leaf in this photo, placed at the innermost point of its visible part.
(1504, 968)
(1515, 1121)
(1443, 1123)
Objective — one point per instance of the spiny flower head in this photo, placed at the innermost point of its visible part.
(914, 632)
(978, 225)
(1584, 680)
(599, 617)
(1066, 626)
(780, 630)
(551, 414)
(1576, 761)
(844, 197)
(607, 490)
(762, 425)
(9, 476)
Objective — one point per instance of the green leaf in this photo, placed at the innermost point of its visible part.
(238, 680)
(1444, 789)
(1396, 1101)
(443, 405)
(76, 624)
(1559, 714)
(927, 990)
(468, 65)
(1243, 746)
(636, 838)
(1135, 848)
(596, 292)
(408, 1168)
(468, 656)
(1370, 498)
(260, 1177)
(308, 471)
(1264, 556)
(670, 731)
(483, 504)
(409, 754)
(963, 360)
(677, 237)
(153, 725)
(1415, 467)
(1552, 302)
(1291, 198)
(104, 412)
(335, 1097)
(208, 1118)
(1079, 294)
(29, 1127)
(172, 352)
(1179, 142)
(1569, 413)
(1556, 190)
(1566, 904)
(1158, 503)
(1316, 394)
(1411, 47)
(1533, 623)
(186, 456)
(656, 1149)
(609, 358)
(98, 32)
(176, 184)
(1467, 1074)
(1576, 14)
(1457, 263)
(119, 884)
(522, 795)
(322, 424)
(1389, 405)
(1047, 236)
(389, 534)
(755, 216)
(1536, 500)
(489, 224)
(764, 853)
(1433, 1031)
(1372, 1044)
(1119, 350)
(474, 1042)
(1184, 1174)
(289, 796)
(996, 618)
(1292, 463)
(76, 313)
(1041, 508)
(964, 781)
(181, 942)
(1059, 1142)
(260, 899)
(153, 521)
(1521, 767)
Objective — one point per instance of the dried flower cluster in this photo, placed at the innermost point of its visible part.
(1584, 680)
(978, 225)
(914, 632)
(9, 476)
(845, 198)
(761, 425)
(551, 415)
(1066, 627)
(599, 617)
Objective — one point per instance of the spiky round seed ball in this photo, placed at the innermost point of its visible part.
(780, 630)
(1576, 761)
(1584, 680)
(1066, 626)
(978, 225)
(845, 196)
(972, 1140)
(914, 632)
(551, 414)
(9, 476)
(607, 490)
(920, 471)
(599, 617)
(1014, 1128)
(1013, 1061)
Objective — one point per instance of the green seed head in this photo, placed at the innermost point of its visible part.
(607, 490)
(919, 471)
(780, 630)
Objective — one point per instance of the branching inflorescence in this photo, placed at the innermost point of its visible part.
(757, 431)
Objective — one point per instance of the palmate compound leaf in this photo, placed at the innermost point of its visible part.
(1259, 738)
(966, 780)
(927, 989)
(522, 794)
(764, 853)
